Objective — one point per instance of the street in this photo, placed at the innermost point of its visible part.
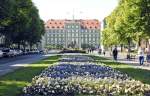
(10, 64)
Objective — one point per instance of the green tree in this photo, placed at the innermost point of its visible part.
(125, 23)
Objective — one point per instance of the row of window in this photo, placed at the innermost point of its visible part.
(72, 26)
(88, 41)
(65, 43)
(91, 39)
(56, 31)
(73, 35)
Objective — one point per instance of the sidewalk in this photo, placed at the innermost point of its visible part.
(122, 59)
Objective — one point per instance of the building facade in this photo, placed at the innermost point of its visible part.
(73, 33)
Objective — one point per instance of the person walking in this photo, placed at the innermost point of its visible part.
(115, 53)
(141, 56)
(104, 52)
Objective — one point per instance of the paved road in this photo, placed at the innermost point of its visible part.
(10, 64)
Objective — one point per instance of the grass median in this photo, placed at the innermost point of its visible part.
(12, 84)
(142, 75)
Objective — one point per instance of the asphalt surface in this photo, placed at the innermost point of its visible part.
(10, 64)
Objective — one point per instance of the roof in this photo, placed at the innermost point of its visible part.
(60, 24)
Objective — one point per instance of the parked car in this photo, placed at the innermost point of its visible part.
(1, 53)
(8, 53)
(19, 52)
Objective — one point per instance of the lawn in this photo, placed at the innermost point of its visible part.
(13, 83)
(142, 75)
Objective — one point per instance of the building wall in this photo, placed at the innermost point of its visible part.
(72, 33)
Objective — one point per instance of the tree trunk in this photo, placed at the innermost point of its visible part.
(139, 42)
(31, 46)
(121, 47)
(129, 47)
(24, 46)
(147, 43)
(18, 45)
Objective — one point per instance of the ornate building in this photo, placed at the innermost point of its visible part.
(73, 33)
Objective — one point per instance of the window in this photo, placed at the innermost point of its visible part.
(85, 39)
(76, 35)
(72, 34)
(85, 35)
(55, 39)
(82, 40)
(89, 39)
(77, 26)
(89, 35)
(68, 35)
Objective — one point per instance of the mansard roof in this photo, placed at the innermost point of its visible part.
(60, 24)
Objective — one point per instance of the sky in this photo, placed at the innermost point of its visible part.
(77, 9)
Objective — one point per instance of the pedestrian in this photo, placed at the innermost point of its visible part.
(100, 51)
(104, 52)
(115, 53)
(148, 55)
(141, 56)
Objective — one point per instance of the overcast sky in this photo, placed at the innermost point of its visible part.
(80, 9)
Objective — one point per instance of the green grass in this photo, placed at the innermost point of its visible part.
(142, 75)
(13, 83)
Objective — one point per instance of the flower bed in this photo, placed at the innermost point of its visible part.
(75, 78)
(85, 85)
(65, 70)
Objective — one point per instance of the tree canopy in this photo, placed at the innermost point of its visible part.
(129, 22)
(20, 23)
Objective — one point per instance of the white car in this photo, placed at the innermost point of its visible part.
(1, 53)
(8, 53)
